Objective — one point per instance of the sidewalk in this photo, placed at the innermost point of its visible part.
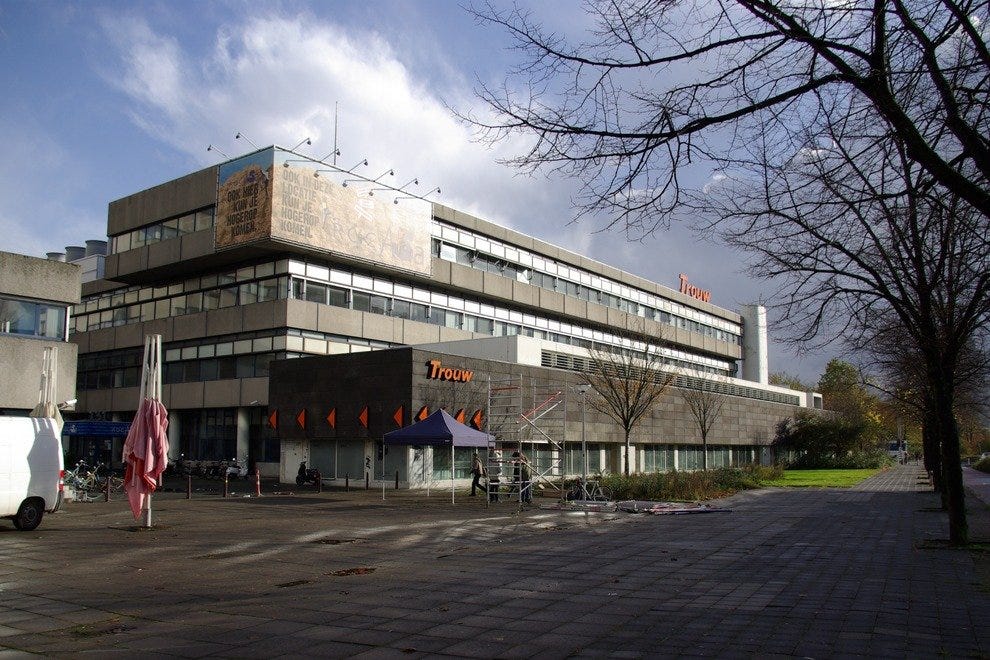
(813, 572)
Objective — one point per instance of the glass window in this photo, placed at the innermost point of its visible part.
(267, 290)
(418, 312)
(298, 286)
(226, 368)
(338, 296)
(187, 224)
(361, 301)
(208, 369)
(211, 300)
(228, 297)
(194, 303)
(379, 304)
(245, 366)
(204, 219)
(400, 308)
(316, 292)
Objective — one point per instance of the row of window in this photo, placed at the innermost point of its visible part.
(487, 263)
(476, 258)
(32, 319)
(497, 257)
(163, 231)
(232, 289)
(578, 363)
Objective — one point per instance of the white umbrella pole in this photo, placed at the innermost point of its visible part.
(151, 389)
(452, 472)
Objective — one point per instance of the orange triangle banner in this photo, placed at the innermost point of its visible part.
(363, 417)
(273, 419)
(397, 417)
(332, 418)
(476, 419)
(460, 416)
(423, 413)
(301, 418)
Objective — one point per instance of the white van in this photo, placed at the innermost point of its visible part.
(31, 469)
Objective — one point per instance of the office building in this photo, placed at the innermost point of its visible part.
(274, 256)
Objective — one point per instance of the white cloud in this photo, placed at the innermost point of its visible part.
(276, 79)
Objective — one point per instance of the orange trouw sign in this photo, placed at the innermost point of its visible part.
(332, 418)
(437, 371)
(695, 292)
(363, 417)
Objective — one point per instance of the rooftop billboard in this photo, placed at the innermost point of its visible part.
(275, 194)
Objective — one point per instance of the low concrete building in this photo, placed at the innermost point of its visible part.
(36, 298)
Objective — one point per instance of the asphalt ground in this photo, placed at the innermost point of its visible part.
(818, 573)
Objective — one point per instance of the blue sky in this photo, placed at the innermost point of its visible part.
(102, 99)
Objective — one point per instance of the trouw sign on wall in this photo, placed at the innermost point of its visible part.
(278, 195)
(436, 371)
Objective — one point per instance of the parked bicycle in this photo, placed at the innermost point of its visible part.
(591, 491)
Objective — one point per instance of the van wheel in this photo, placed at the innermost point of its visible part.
(29, 515)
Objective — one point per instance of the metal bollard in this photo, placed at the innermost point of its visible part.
(397, 480)
(319, 482)
(257, 482)
(106, 489)
(367, 481)
(347, 482)
(226, 486)
(189, 487)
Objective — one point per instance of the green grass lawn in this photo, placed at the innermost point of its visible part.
(821, 478)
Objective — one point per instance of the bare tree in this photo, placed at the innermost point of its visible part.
(861, 238)
(659, 86)
(706, 407)
(629, 382)
(850, 143)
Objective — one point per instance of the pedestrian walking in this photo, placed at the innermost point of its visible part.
(477, 471)
(494, 474)
(523, 476)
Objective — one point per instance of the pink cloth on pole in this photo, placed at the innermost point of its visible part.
(145, 453)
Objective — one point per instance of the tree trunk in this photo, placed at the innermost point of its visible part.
(948, 432)
(704, 452)
(627, 453)
(933, 453)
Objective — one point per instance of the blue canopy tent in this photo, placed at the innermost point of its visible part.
(439, 430)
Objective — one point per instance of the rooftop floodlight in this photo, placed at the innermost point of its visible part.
(286, 162)
(240, 135)
(414, 182)
(388, 172)
(306, 141)
(420, 197)
(335, 152)
(212, 148)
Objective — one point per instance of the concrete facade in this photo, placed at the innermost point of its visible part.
(230, 315)
(38, 284)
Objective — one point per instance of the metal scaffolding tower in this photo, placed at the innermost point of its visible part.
(525, 416)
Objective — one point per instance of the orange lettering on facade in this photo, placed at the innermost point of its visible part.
(695, 292)
(439, 372)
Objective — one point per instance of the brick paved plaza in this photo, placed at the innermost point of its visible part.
(809, 573)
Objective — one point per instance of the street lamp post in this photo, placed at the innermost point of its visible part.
(583, 389)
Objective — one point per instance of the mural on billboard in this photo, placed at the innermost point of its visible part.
(244, 200)
(274, 194)
(320, 212)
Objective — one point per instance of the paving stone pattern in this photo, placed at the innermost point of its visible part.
(810, 573)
